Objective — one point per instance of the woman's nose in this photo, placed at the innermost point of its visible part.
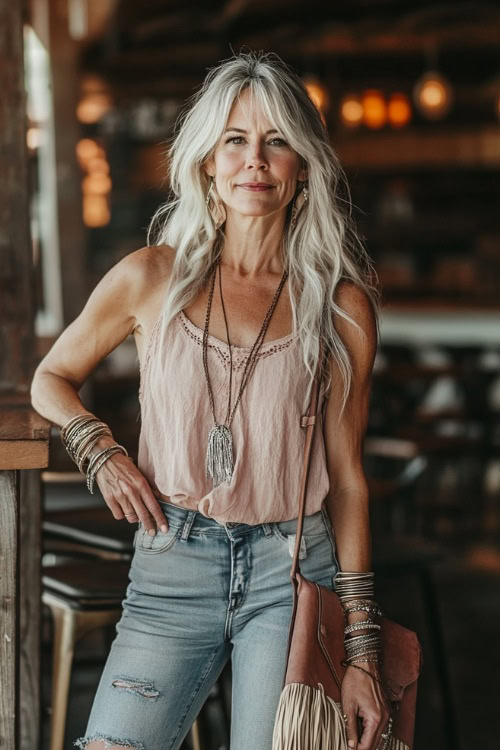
(256, 157)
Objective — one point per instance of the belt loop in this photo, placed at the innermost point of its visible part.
(187, 525)
(267, 529)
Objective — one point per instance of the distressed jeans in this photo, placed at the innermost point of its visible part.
(199, 595)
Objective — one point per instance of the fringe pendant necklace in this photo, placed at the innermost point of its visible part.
(219, 458)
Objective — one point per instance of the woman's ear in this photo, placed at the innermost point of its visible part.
(302, 175)
(208, 167)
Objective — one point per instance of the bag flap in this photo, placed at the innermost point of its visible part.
(401, 650)
(402, 655)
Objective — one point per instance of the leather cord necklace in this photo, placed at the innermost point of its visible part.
(219, 459)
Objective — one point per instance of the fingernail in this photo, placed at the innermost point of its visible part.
(351, 743)
(152, 532)
(164, 529)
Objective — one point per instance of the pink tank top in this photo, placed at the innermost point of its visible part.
(268, 442)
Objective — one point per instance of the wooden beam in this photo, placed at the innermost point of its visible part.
(417, 150)
(368, 39)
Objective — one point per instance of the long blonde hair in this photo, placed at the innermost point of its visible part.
(323, 248)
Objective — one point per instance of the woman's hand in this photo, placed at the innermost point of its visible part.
(127, 492)
(362, 696)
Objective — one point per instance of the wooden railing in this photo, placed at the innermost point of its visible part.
(24, 450)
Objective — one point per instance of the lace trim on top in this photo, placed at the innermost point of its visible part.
(239, 353)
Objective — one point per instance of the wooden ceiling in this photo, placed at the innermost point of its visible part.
(164, 47)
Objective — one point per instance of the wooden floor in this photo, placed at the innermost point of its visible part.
(467, 584)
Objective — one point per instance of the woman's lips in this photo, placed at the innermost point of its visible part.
(256, 188)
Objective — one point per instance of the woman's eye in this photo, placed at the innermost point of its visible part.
(235, 138)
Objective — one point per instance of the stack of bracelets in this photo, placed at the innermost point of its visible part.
(356, 592)
(79, 436)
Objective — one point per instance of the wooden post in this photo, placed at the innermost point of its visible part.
(65, 76)
(16, 277)
(24, 441)
(23, 433)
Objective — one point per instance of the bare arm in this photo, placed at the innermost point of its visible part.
(105, 321)
(108, 317)
(347, 501)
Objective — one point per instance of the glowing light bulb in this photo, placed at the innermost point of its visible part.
(374, 109)
(432, 95)
(351, 110)
(398, 110)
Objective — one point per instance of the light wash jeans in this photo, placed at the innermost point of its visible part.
(199, 595)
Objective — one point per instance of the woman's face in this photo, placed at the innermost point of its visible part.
(252, 151)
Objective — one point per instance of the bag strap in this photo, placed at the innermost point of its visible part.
(308, 422)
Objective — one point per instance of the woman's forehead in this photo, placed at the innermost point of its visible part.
(247, 111)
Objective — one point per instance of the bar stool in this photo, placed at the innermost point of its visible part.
(88, 531)
(82, 597)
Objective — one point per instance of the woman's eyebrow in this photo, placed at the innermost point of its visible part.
(240, 130)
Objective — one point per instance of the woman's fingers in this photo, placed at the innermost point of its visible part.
(153, 507)
(130, 515)
(132, 497)
(128, 494)
(370, 726)
(145, 505)
(373, 726)
(351, 727)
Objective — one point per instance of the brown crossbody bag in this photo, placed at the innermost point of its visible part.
(309, 715)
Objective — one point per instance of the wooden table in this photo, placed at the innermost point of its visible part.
(24, 450)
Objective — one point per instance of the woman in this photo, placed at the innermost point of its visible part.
(254, 254)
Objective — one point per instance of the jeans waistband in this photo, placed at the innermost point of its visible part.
(185, 519)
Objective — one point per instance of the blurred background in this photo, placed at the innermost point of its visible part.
(410, 94)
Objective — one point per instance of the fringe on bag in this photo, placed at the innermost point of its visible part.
(308, 719)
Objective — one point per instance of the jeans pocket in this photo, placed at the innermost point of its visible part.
(289, 540)
(160, 542)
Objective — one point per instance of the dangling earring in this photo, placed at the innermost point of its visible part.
(217, 210)
(299, 200)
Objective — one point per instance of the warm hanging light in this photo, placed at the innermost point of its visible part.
(374, 108)
(95, 99)
(398, 110)
(95, 211)
(87, 149)
(96, 185)
(351, 110)
(317, 92)
(92, 107)
(432, 95)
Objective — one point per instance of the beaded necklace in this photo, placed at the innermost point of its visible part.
(219, 459)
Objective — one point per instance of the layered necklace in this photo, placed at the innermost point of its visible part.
(219, 459)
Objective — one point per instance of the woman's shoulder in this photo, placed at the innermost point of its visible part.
(360, 339)
(149, 265)
(142, 276)
(355, 300)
